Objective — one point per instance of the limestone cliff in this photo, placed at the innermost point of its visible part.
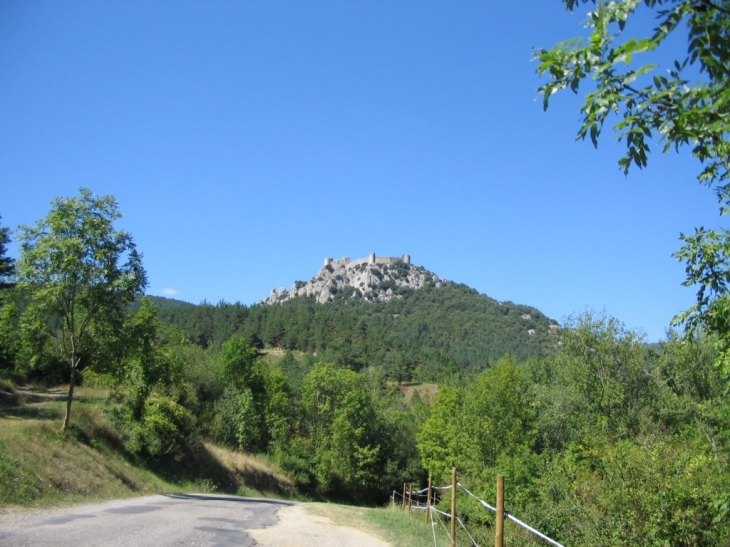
(372, 279)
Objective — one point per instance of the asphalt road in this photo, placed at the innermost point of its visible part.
(175, 519)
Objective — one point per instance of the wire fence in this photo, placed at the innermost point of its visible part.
(427, 498)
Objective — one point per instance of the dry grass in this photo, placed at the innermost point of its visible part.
(41, 466)
(255, 475)
(272, 356)
(425, 391)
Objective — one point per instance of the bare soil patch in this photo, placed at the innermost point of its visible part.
(318, 525)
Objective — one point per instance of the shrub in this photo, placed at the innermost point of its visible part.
(165, 427)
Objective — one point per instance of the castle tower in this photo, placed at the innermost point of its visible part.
(406, 259)
(371, 258)
(327, 262)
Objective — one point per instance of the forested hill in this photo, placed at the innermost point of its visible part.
(420, 334)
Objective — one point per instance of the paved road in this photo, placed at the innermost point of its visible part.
(160, 521)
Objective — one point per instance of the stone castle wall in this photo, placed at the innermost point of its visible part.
(372, 259)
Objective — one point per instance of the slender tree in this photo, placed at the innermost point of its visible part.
(76, 267)
(7, 264)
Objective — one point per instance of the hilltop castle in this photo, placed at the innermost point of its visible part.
(374, 278)
(371, 259)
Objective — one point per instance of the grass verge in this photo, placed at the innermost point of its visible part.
(393, 525)
(40, 466)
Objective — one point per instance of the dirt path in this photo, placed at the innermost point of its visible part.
(298, 526)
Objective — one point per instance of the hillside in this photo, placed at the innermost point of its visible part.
(391, 314)
(40, 466)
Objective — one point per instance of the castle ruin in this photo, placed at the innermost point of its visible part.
(371, 259)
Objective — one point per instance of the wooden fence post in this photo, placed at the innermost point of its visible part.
(410, 497)
(428, 500)
(499, 525)
(403, 500)
(453, 507)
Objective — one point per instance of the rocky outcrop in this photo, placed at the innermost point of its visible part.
(366, 279)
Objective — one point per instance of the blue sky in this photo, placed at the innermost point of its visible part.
(245, 141)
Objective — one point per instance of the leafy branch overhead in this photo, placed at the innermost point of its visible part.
(681, 102)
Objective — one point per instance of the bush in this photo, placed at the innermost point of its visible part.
(164, 428)
(237, 422)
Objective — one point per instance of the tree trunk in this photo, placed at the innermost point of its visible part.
(72, 383)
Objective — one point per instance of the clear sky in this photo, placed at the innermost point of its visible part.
(245, 141)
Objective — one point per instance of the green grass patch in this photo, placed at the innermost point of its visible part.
(393, 525)
(399, 527)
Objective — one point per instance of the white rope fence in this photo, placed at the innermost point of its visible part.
(433, 528)
(467, 532)
(446, 530)
(416, 504)
(513, 519)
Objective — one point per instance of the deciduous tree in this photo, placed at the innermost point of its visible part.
(76, 267)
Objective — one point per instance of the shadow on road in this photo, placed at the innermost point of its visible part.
(237, 499)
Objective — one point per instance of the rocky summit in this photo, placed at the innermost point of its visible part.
(373, 279)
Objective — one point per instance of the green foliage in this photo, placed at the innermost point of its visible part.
(10, 337)
(293, 369)
(38, 358)
(77, 268)
(653, 493)
(337, 418)
(255, 411)
(7, 264)
(606, 442)
(600, 383)
(165, 427)
(237, 421)
(472, 427)
(501, 414)
(683, 103)
(440, 439)
(666, 101)
(154, 413)
(348, 435)
(693, 393)
(412, 337)
(238, 361)
(278, 413)
(706, 255)
(198, 367)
